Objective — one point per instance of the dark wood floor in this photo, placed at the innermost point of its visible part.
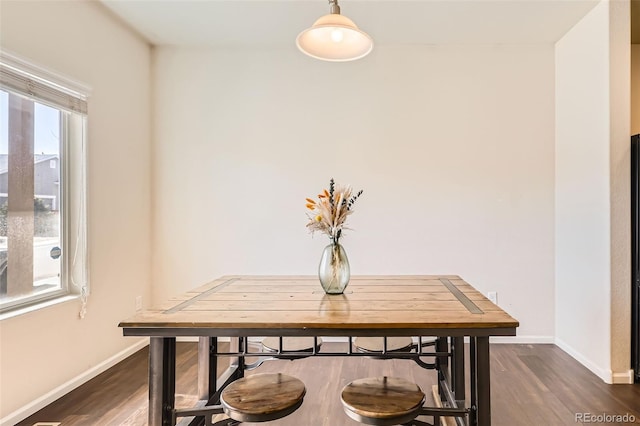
(531, 385)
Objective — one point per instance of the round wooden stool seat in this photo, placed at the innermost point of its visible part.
(376, 344)
(382, 401)
(262, 397)
(290, 344)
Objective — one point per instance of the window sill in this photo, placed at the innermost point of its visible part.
(37, 306)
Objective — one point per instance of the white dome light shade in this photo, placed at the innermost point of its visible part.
(336, 38)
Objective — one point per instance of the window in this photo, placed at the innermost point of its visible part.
(42, 186)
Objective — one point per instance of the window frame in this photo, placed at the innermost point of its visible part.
(34, 80)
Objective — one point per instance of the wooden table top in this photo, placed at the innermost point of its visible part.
(296, 305)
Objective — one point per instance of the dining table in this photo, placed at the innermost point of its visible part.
(243, 308)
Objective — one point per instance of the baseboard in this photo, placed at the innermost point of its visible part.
(46, 399)
(524, 340)
(605, 375)
(624, 378)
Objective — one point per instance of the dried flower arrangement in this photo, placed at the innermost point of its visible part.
(329, 214)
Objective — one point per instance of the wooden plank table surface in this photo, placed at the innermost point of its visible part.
(401, 305)
(297, 305)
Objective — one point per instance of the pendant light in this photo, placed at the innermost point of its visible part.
(334, 37)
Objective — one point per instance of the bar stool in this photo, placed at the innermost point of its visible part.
(375, 345)
(291, 344)
(382, 401)
(262, 397)
(271, 349)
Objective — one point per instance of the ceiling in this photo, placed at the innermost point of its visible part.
(278, 22)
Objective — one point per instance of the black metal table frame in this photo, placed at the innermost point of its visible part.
(451, 375)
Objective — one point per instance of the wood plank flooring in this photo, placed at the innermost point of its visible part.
(532, 385)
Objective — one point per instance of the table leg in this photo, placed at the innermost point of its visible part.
(457, 370)
(484, 381)
(207, 367)
(162, 380)
(442, 364)
(473, 388)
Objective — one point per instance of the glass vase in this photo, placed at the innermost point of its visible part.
(334, 271)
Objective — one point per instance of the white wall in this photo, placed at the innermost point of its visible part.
(453, 146)
(43, 350)
(592, 247)
(635, 89)
(582, 191)
(620, 188)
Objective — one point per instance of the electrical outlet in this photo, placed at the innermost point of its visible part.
(493, 296)
(139, 303)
